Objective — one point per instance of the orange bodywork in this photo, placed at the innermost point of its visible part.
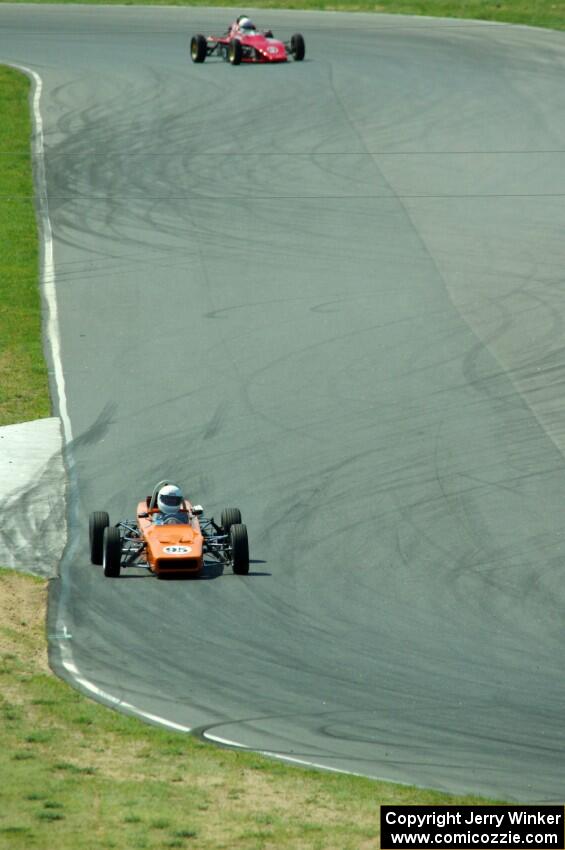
(171, 549)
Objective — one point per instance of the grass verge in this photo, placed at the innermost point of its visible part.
(24, 392)
(539, 13)
(74, 774)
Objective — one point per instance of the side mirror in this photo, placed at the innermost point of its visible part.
(197, 510)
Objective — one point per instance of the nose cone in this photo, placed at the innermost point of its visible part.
(274, 51)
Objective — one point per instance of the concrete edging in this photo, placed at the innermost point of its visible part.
(32, 489)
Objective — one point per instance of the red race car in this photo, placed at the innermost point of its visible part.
(243, 42)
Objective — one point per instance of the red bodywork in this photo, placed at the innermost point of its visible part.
(259, 47)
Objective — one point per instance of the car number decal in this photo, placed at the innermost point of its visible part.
(177, 550)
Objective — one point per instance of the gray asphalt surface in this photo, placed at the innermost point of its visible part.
(331, 293)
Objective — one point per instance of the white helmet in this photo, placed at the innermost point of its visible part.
(169, 499)
(246, 24)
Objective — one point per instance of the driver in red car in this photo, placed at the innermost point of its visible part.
(245, 26)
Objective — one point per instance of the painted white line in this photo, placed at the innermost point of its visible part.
(306, 763)
(48, 270)
(71, 668)
(280, 756)
(53, 334)
(218, 740)
(155, 718)
(126, 706)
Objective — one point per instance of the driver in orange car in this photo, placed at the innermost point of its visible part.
(170, 507)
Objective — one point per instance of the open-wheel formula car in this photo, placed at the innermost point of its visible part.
(243, 42)
(169, 537)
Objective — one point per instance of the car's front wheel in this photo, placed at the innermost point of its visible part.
(112, 552)
(297, 47)
(198, 48)
(239, 549)
(97, 522)
(235, 52)
(230, 516)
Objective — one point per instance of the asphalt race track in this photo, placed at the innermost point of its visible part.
(331, 293)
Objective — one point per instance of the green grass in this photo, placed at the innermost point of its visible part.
(75, 774)
(540, 13)
(23, 375)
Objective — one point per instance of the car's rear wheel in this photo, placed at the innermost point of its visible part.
(97, 522)
(198, 48)
(297, 47)
(235, 52)
(112, 552)
(239, 549)
(230, 516)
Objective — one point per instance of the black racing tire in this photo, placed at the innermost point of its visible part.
(230, 516)
(97, 522)
(198, 48)
(235, 52)
(239, 549)
(112, 552)
(297, 47)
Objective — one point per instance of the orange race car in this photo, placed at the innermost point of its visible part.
(169, 537)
